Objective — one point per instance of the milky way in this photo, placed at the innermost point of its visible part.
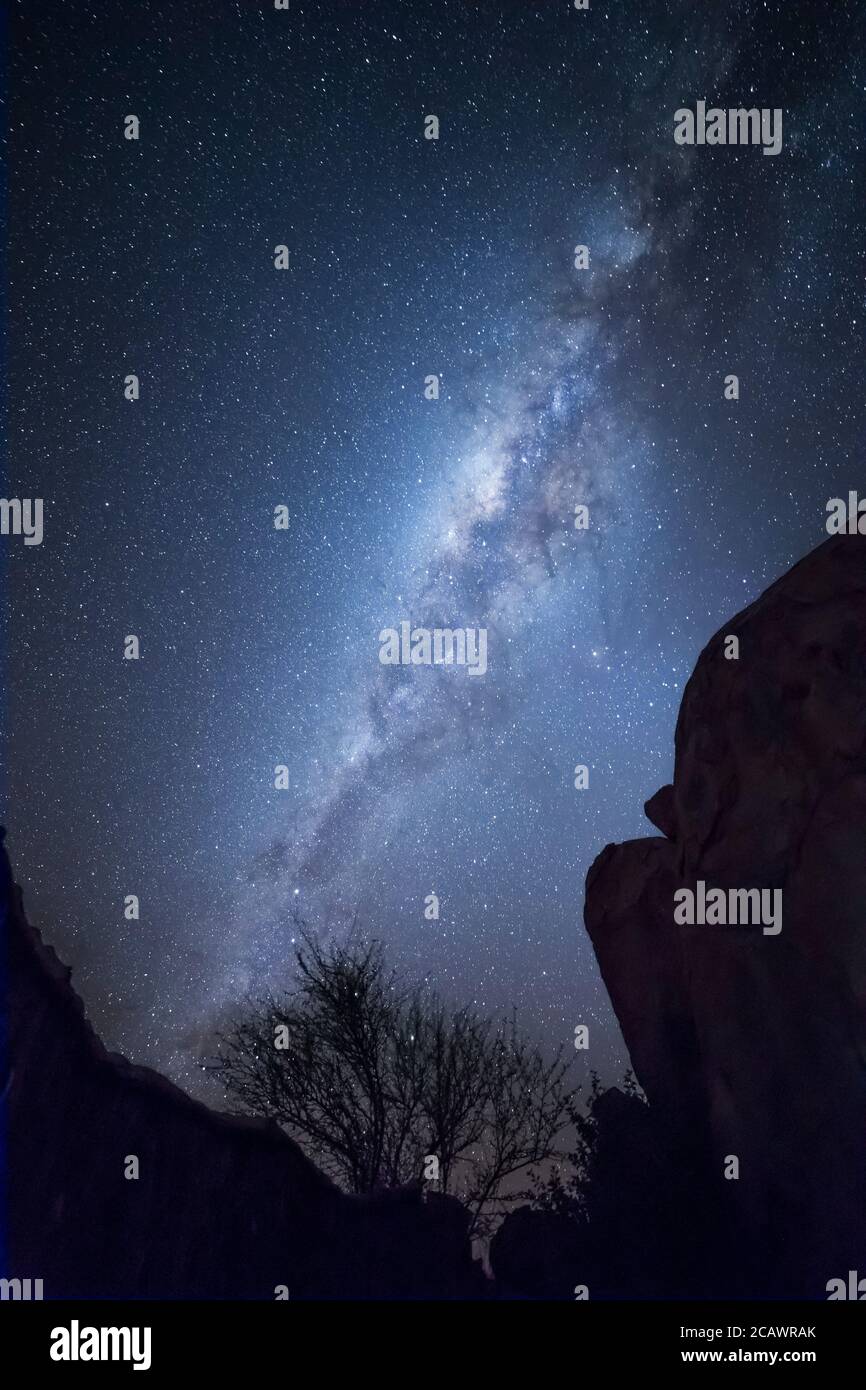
(560, 387)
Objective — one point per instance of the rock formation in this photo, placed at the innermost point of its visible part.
(749, 1045)
(224, 1207)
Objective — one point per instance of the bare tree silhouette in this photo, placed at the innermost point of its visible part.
(375, 1078)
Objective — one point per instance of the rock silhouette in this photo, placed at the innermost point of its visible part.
(224, 1207)
(747, 1045)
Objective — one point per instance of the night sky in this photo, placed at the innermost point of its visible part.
(305, 388)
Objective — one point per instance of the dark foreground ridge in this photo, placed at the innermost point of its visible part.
(225, 1207)
(748, 1046)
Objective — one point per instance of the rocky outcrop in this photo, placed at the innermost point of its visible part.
(223, 1207)
(750, 1045)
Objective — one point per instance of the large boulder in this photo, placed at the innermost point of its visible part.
(750, 1045)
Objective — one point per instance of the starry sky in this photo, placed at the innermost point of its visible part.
(305, 388)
